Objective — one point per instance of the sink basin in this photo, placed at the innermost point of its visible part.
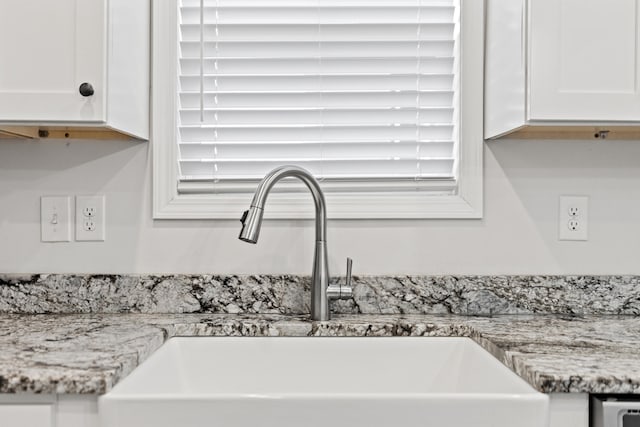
(322, 382)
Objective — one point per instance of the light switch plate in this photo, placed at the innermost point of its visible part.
(55, 220)
(90, 218)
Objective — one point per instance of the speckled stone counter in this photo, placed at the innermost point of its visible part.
(90, 353)
(286, 294)
(83, 333)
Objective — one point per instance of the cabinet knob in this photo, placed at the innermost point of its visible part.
(86, 89)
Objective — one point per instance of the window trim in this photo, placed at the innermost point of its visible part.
(168, 204)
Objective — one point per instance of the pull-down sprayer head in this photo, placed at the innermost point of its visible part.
(251, 223)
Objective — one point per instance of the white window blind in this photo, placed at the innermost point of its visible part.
(356, 91)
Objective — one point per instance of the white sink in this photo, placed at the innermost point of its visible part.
(323, 382)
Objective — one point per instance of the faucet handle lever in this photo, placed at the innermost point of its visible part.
(339, 291)
(347, 278)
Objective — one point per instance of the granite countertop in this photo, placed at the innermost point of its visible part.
(90, 353)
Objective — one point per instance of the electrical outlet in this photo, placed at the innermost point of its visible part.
(90, 218)
(89, 211)
(573, 218)
(89, 225)
(55, 220)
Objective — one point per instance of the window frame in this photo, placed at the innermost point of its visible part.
(466, 204)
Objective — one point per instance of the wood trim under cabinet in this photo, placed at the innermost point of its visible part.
(18, 132)
(63, 132)
(574, 132)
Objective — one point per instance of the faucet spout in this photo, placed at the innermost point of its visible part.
(252, 222)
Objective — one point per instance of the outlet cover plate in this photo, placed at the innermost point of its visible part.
(55, 219)
(573, 218)
(90, 218)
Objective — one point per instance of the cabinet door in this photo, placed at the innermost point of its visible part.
(26, 415)
(583, 62)
(47, 50)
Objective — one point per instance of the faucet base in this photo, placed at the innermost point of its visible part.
(319, 284)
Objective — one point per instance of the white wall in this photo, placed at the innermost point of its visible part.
(518, 234)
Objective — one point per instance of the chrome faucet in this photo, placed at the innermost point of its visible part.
(251, 220)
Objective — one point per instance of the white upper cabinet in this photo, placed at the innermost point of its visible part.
(47, 50)
(584, 60)
(77, 65)
(560, 68)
